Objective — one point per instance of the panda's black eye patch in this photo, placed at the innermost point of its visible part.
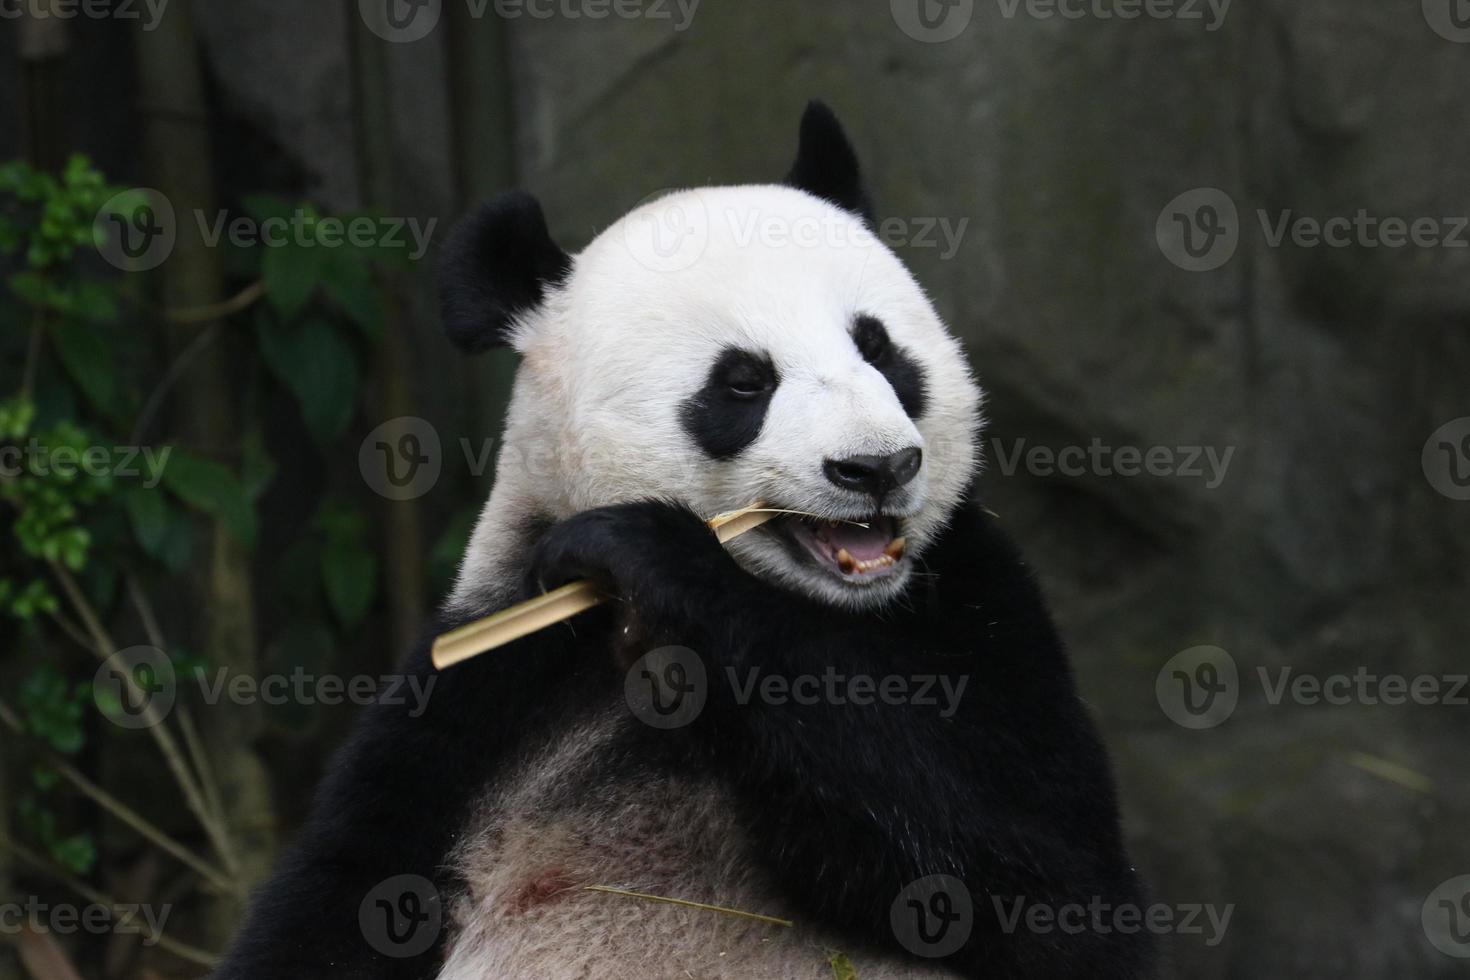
(871, 338)
(903, 374)
(726, 415)
(746, 375)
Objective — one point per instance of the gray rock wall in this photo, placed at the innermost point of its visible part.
(1053, 148)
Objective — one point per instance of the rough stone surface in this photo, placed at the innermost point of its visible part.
(1060, 142)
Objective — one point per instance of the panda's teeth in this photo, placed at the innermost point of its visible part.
(845, 561)
(895, 549)
(848, 564)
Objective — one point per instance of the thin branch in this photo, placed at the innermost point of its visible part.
(182, 950)
(121, 810)
(609, 890)
(203, 772)
(202, 768)
(193, 796)
(33, 354)
(170, 377)
(145, 612)
(74, 631)
(241, 301)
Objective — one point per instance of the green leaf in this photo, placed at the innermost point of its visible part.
(842, 968)
(88, 361)
(350, 574)
(177, 546)
(77, 854)
(349, 282)
(148, 515)
(257, 469)
(210, 487)
(319, 366)
(44, 777)
(264, 207)
(291, 273)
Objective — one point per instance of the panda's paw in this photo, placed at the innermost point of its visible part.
(653, 555)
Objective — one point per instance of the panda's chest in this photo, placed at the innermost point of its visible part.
(580, 816)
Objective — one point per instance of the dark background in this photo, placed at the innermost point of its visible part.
(1060, 146)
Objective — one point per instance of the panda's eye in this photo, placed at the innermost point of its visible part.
(871, 338)
(745, 377)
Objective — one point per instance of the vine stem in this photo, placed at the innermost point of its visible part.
(33, 354)
(191, 953)
(104, 648)
(202, 769)
(122, 811)
(238, 303)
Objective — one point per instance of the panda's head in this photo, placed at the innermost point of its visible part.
(717, 347)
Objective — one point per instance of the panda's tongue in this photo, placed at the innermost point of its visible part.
(864, 543)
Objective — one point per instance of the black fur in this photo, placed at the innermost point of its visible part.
(902, 372)
(827, 165)
(497, 263)
(846, 804)
(726, 415)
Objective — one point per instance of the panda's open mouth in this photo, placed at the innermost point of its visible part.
(855, 551)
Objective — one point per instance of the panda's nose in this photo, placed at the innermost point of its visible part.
(875, 475)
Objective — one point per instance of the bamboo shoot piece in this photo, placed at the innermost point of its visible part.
(525, 618)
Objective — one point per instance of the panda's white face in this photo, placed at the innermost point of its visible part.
(723, 346)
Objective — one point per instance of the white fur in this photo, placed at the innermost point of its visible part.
(559, 822)
(610, 357)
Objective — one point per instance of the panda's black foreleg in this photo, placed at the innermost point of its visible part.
(360, 895)
(942, 736)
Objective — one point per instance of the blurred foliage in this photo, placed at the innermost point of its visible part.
(84, 497)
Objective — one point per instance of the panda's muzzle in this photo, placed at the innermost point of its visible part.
(854, 550)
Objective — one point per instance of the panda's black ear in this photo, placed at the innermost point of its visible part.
(497, 263)
(827, 165)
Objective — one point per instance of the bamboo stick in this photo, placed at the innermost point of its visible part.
(523, 619)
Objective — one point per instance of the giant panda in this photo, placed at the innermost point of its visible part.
(770, 835)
